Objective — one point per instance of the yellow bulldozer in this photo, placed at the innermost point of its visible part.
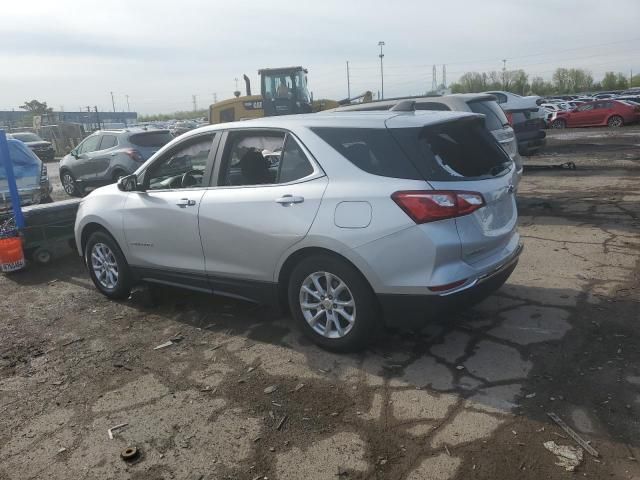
(283, 91)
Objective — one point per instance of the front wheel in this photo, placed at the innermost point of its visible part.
(558, 124)
(615, 122)
(333, 303)
(69, 184)
(107, 266)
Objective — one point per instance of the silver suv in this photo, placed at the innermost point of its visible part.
(106, 155)
(361, 219)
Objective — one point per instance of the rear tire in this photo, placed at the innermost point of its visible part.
(559, 123)
(342, 317)
(615, 121)
(107, 266)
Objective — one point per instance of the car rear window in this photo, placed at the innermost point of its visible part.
(495, 117)
(451, 151)
(446, 152)
(151, 139)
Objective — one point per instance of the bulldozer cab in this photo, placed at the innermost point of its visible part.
(284, 91)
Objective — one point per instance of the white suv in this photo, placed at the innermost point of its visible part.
(352, 220)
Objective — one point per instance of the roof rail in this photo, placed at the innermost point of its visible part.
(404, 106)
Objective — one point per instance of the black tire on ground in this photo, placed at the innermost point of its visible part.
(69, 184)
(559, 123)
(42, 256)
(124, 283)
(615, 121)
(367, 319)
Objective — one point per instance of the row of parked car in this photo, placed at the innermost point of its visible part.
(613, 109)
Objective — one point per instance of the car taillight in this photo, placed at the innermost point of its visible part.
(134, 154)
(509, 118)
(425, 206)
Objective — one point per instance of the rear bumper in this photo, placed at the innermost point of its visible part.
(413, 311)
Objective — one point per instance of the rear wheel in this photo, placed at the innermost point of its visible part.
(333, 303)
(615, 122)
(69, 184)
(107, 266)
(559, 123)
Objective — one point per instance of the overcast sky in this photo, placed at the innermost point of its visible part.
(72, 53)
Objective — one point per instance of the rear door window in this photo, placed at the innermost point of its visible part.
(495, 117)
(151, 139)
(294, 164)
(108, 141)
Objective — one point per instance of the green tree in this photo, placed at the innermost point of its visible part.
(635, 81)
(614, 81)
(36, 107)
(572, 80)
(539, 86)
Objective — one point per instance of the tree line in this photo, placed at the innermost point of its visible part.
(563, 81)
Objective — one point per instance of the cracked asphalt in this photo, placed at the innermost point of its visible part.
(243, 395)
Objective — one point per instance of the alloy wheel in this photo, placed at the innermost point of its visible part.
(327, 305)
(68, 184)
(104, 266)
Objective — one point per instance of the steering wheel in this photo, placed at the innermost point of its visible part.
(189, 178)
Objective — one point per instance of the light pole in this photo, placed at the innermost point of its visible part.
(381, 44)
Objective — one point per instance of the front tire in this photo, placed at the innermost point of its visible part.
(107, 266)
(69, 184)
(333, 304)
(558, 123)
(615, 122)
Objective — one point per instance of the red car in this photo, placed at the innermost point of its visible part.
(613, 113)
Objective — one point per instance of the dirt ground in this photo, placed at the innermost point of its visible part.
(241, 395)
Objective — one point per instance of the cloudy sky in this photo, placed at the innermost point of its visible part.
(73, 53)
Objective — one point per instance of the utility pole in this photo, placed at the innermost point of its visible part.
(444, 76)
(348, 82)
(434, 79)
(113, 102)
(215, 97)
(381, 44)
(128, 107)
(97, 116)
(195, 105)
(89, 116)
(504, 73)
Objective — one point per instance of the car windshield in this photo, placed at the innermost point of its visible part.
(26, 137)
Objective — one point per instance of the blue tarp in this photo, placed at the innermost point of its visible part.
(26, 166)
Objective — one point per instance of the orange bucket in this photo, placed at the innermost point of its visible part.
(11, 254)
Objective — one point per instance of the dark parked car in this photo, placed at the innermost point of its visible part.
(42, 148)
(601, 113)
(529, 129)
(106, 155)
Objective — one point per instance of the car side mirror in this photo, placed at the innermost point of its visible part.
(130, 184)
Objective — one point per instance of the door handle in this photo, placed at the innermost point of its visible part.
(185, 202)
(287, 200)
